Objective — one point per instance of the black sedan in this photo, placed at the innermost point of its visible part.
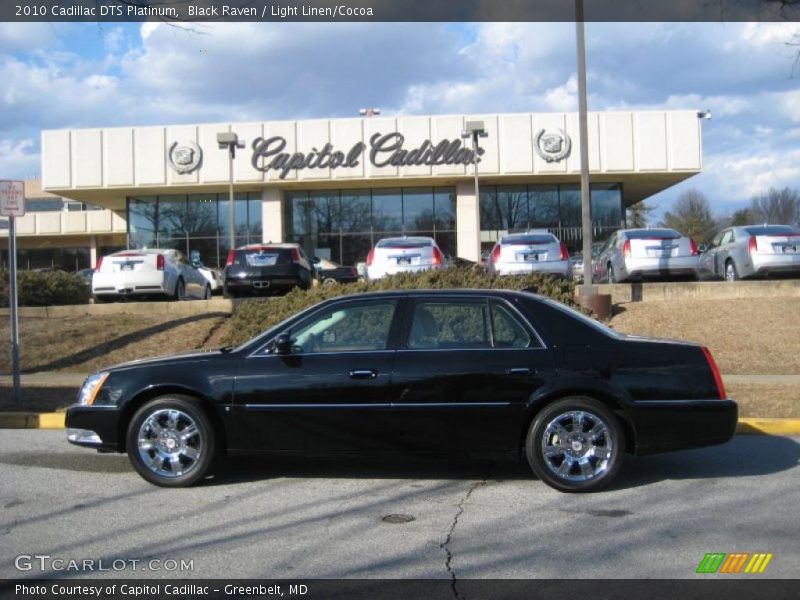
(329, 272)
(470, 372)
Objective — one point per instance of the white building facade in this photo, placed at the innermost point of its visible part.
(338, 185)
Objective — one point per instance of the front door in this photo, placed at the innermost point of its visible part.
(331, 392)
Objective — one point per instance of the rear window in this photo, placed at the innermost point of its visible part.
(653, 234)
(542, 238)
(772, 230)
(405, 243)
(263, 257)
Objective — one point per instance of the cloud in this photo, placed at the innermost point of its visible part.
(19, 158)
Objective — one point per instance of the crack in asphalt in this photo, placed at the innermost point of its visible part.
(446, 544)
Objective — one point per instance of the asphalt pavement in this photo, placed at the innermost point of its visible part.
(394, 519)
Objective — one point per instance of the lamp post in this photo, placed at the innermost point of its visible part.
(475, 130)
(229, 140)
(586, 202)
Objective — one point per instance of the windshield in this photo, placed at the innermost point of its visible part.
(405, 243)
(529, 239)
(772, 230)
(653, 234)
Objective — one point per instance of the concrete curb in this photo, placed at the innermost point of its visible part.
(55, 420)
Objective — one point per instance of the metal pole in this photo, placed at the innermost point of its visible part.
(12, 259)
(231, 211)
(477, 190)
(586, 203)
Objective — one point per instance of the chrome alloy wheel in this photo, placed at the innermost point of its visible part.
(170, 443)
(577, 446)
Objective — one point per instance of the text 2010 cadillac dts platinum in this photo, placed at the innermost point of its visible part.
(474, 372)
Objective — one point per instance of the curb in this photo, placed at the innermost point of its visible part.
(55, 420)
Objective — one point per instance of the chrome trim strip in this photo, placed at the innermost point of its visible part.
(382, 405)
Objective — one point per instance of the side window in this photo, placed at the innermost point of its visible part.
(727, 238)
(352, 328)
(717, 239)
(455, 324)
(609, 243)
(507, 330)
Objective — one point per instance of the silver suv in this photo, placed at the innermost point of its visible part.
(535, 251)
(640, 253)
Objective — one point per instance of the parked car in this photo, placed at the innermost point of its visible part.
(329, 272)
(446, 371)
(577, 265)
(260, 269)
(213, 276)
(141, 273)
(403, 255)
(753, 250)
(535, 251)
(647, 253)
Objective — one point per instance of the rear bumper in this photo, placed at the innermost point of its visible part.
(381, 272)
(562, 268)
(100, 420)
(776, 263)
(644, 267)
(665, 426)
(262, 285)
(128, 284)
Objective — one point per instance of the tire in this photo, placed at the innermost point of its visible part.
(329, 281)
(591, 462)
(180, 291)
(226, 291)
(731, 274)
(173, 456)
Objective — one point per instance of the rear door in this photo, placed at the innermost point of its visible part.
(462, 376)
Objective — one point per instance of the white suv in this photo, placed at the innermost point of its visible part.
(403, 255)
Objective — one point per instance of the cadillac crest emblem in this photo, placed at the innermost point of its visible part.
(185, 158)
(552, 147)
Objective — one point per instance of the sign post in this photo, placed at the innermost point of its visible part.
(12, 205)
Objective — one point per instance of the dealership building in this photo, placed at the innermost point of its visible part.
(338, 185)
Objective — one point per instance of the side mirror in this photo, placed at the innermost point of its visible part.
(283, 344)
(316, 260)
(702, 248)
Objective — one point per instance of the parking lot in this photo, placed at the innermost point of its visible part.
(311, 519)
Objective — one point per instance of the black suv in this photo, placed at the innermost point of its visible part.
(261, 269)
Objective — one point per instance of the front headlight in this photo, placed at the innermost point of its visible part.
(90, 388)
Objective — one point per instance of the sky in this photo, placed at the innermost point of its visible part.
(103, 75)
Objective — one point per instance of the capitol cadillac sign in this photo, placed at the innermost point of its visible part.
(384, 150)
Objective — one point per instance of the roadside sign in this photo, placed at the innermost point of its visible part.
(12, 198)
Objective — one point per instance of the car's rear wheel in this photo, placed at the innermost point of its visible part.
(576, 445)
(329, 281)
(731, 274)
(171, 442)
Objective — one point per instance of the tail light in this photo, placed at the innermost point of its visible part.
(693, 247)
(496, 254)
(564, 252)
(437, 256)
(231, 258)
(715, 371)
(752, 245)
(99, 263)
(370, 257)
(160, 262)
(295, 255)
(626, 249)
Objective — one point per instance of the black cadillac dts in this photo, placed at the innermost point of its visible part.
(470, 372)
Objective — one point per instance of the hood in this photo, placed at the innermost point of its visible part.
(186, 356)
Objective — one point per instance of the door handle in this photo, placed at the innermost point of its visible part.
(363, 374)
(518, 372)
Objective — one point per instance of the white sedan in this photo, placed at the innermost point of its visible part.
(161, 272)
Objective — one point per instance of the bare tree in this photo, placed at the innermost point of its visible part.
(691, 215)
(776, 206)
(639, 214)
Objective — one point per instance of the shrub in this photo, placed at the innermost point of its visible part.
(46, 289)
(254, 316)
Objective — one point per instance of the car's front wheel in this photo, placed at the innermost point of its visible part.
(576, 445)
(171, 442)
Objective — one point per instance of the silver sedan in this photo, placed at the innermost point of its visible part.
(739, 252)
(640, 253)
(536, 251)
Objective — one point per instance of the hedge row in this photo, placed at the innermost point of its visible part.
(254, 316)
(46, 289)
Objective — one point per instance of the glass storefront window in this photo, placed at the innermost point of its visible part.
(387, 210)
(543, 205)
(355, 208)
(201, 215)
(418, 212)
(171, 217)
(254, 219)
(607, 204)
(570, 212)
(444, 208)
(240, 215)
(512, 203)
(142, 219)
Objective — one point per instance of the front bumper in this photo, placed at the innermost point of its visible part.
(665, 426)
(101, 421)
